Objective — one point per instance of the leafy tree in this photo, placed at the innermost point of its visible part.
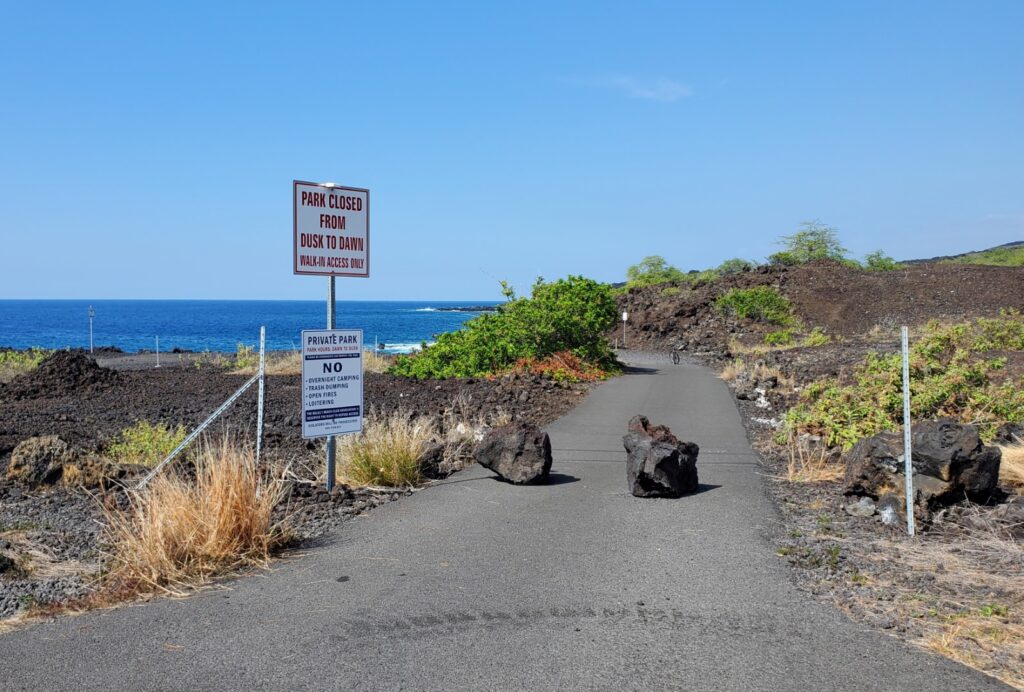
(814, 241)
(570, 314)
(734, 266)
(653, 270)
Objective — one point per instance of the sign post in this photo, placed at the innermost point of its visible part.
(92, 314)
(625, 316)
(331, 234)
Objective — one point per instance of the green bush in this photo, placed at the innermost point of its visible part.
(570, 314)
(816, 337)
(782, 337)
(878, 261)
(949, 377)
(670, 291)
(14, 363)
(763, 303)
(1000, 257)
(734, 266)
(145, 443)
(651, 271)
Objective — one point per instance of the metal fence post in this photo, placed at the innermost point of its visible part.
(908, 464)
(262, 388)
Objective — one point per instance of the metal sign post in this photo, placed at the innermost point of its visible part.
(331, 237)
(908, 465)
(92, 314)
(158, 351)
(330, 438)
(625, 316)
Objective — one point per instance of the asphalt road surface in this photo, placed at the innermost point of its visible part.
(479, 585)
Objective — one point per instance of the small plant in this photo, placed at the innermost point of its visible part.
(816, 337)
(386, 453)
(246, 357)
(145, 443)
(180, 531)
(783, 337)
(670, 291)
(762, 303)
(809, 464)
(832, 554)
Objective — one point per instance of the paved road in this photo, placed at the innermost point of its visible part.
(479, 585)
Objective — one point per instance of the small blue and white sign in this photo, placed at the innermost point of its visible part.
(332, 382)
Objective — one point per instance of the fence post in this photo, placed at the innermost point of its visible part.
(262, 388)
(908, 464)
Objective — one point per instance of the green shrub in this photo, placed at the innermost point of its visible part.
(762, 303)
(816, 337)
(949, 377)
(734, 266)
(782, 337)
(570, 314)
(246, 357)
(651, 271)
(145, 443)
(1000, 257)
(878, 261)
(14, 363)
(670, 291)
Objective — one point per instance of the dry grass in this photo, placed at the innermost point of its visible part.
(377, 362)
(179, 531)
(739, 368)
(1011, 469)
(811, 463)
(387, 452)
(973, 608)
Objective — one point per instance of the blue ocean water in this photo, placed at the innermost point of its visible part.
(219, 325)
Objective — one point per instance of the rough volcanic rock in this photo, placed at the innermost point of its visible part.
(39, 460)
(60, 374)
(519, 453)
(658, 464)
(950, 464)
(431, 460)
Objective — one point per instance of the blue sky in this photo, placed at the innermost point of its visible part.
(148, 149)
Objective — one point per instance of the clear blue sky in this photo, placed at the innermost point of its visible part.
(148, 149)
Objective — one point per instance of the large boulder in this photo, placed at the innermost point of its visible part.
(658, 464)
(949, 460)
(519, 453)
(39, 460)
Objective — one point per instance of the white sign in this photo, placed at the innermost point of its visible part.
(332, 229)
(332, 382)
(625, 316)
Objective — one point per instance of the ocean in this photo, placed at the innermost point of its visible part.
(220, 325)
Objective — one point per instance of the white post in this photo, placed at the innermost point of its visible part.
(908, 465)
(158, 351)
(625, 316)
(92, 313)
(259, 398)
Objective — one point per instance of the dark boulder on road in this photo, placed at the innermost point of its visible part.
(949, 460)
(519, 453)
(658, 464)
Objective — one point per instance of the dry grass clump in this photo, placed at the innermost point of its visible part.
(387, 452)
(739, 368)
(377, 362)
(181, 531)
(811, 463)
(1011, 469)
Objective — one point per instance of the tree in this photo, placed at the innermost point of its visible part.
(734, 266)
(814, 241)
(878, 261)
(652, 270)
